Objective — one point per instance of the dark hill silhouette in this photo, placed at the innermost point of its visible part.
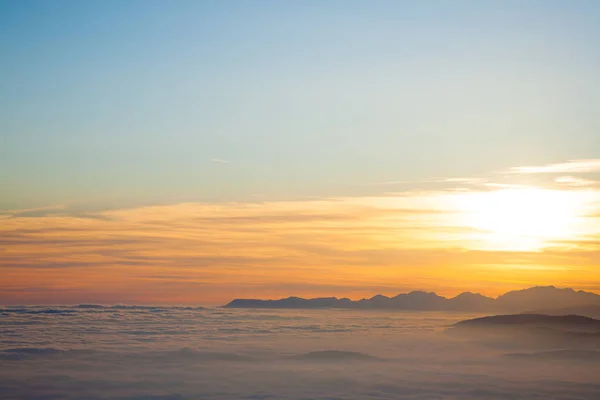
(515, 301)
(531, 331)
(538, 320)
(590, 310)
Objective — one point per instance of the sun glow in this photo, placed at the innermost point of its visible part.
(521, 219)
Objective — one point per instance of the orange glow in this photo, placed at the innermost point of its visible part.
(195, 253)
(523, 218)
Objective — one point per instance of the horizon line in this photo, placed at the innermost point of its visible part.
(206, 305)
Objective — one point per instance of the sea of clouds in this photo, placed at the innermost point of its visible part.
(169, 353)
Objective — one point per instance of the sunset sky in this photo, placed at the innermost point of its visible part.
(191, 152)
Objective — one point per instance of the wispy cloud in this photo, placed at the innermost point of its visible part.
(218, 160)
(506, 185)
(572, 166)
(370, 241)
(389, 183)
(576, 182)
(469, 181)
(461, 180)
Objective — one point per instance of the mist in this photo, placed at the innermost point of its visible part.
(192, 353)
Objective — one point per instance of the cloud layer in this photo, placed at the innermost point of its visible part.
(164, 353)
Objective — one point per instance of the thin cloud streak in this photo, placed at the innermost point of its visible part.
(576, 182)
(218, 160)
(461, 180)
(389, 183)
(573, 166)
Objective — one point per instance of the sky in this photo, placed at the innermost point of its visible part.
(191, 152)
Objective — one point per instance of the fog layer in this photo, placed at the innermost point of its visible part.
(170, 353)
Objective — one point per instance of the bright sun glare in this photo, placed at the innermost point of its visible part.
(520, 219)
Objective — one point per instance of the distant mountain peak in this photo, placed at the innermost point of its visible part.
(538, 297)
(469, 294)
(547, 297)
(379, 297)
(422, 292)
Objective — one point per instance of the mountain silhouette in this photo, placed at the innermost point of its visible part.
(472, 302)
(548, 297)
(539, 297)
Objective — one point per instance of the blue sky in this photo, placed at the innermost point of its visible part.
(131, 100)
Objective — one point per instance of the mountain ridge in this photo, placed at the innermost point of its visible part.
(549, 297)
